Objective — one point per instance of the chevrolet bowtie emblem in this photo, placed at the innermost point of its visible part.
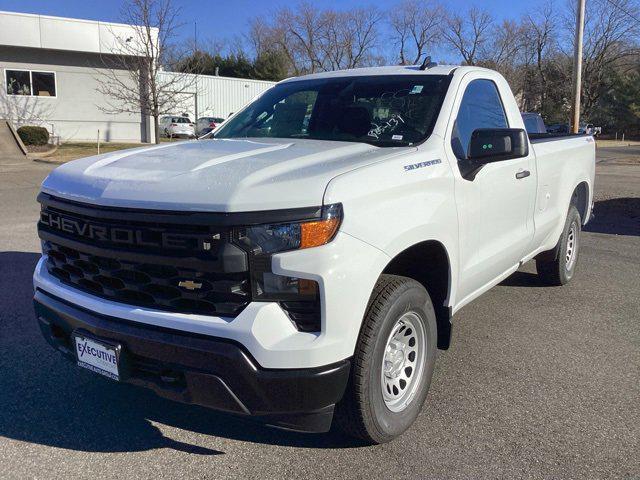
(189, 284)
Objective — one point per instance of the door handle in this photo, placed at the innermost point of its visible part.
(523, 174)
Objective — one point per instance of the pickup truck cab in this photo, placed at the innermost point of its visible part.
(303, 265)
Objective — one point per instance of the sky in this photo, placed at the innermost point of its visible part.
(225, 19)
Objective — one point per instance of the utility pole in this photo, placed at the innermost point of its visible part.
(577, 67)
(195, 56)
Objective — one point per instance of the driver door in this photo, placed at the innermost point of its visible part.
(494, 205)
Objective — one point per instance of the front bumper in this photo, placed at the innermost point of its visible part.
(346, 270)
(202, 370)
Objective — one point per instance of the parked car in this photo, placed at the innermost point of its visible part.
(298, 273)
(177, 126)
(206, 124)
(590, 129)
(533, 122)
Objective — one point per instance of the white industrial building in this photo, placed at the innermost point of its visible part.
(211, 96)
(51, 68)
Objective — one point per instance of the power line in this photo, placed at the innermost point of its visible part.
(613, 4)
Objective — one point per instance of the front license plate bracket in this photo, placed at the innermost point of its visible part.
(99, 356)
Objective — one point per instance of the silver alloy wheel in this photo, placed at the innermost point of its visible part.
(403, 362)
(572, 247)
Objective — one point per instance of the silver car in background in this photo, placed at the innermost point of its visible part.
(177, 126)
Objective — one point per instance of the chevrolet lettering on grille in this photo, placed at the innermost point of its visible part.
(125, 236)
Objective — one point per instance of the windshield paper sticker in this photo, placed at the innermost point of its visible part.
(416, 89)
(413, 166)
(387, 127)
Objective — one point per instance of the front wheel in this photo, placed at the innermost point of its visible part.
(393, 362)
(558, 266)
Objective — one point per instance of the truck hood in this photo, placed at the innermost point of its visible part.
(221, 175)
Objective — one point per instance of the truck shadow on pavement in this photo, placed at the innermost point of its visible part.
(45, 399)
(616, 216)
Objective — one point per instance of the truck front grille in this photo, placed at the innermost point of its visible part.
(182, 268)
(162, 287)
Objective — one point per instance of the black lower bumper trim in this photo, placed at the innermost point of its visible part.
(202, 370)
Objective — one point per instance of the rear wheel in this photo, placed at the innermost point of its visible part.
(558, 266)
(393, 362)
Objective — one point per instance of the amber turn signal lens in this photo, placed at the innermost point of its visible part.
(307, 287)
(318, 233)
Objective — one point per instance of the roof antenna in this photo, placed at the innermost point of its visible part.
(428, 63)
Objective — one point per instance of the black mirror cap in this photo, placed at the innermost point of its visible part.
(495, 144)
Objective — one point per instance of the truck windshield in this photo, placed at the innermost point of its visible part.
(380, 110)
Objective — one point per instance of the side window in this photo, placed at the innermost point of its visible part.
(481, 107)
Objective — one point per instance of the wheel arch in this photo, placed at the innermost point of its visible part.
(428, 263)
(580, 199)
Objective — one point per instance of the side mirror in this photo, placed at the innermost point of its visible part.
(495, 144)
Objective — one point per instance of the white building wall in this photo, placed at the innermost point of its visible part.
(221, 96)
(216, 96)
(74, 50)
(77, 112)
(71, 34)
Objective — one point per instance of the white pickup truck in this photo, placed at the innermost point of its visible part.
(302, 265)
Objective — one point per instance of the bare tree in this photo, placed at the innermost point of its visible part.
(314, 40)
(258, 36)
(299, 33)
(467, 34)
(611, 38)
(349, 39)
(502, 49)
(533, 51)
(539, 45)
(131, 77)
(504, 44)
(416, 27)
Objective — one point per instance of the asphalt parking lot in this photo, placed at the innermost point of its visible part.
(539, 383)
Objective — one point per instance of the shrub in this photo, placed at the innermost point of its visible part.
(31, 135)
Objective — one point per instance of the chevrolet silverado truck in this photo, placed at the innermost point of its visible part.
(302, 265)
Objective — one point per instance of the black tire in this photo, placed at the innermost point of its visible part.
(363, 413)
(558, 266)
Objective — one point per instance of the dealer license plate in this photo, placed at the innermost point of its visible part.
(97, 356)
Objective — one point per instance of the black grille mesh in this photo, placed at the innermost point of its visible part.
(155, 286)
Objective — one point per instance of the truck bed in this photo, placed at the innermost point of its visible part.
(549, 137)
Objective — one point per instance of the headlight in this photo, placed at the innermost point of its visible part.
(299, 297)
(268, 239)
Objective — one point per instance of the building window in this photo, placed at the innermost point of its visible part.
(25, 82)
(43, 84)
(18, 82)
